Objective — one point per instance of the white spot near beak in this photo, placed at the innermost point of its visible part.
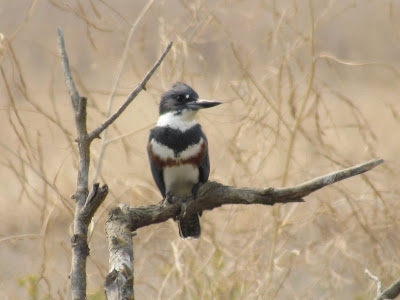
(187, 96)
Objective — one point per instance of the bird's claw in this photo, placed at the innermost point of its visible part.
(169, 197)
(183, 209)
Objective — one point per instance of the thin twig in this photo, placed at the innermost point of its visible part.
(73, 92)
(391, 292)
(377, 281)
(133, 132)
(64, 200)
(116, 83)
(96, 133)
(293, 136)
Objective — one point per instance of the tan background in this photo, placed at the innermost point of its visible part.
(308, 87)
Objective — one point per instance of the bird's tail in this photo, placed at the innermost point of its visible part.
(189, 226)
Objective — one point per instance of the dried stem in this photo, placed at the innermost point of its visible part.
(293, 135)
(390, 293)
(116, 83)
(96, 133)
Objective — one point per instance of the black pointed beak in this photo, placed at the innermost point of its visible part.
(200, 104)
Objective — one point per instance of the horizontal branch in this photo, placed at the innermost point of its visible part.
(142, 85)
(124, 220)
(213, 194)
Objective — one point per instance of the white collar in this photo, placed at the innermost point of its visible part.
(182, 121)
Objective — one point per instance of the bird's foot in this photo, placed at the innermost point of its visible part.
(195, 189)
(169, 197)
(184, 205)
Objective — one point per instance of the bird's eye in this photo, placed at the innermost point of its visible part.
(179, 98)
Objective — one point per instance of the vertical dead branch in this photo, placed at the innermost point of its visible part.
(87, 204)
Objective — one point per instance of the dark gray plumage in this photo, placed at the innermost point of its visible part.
(178, 150)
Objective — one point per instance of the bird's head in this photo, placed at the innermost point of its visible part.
(182, 98)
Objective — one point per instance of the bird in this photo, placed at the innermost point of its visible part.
(178, 151)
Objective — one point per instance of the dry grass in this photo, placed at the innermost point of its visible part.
(309, 87)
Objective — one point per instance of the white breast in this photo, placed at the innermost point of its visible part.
(162, 151)
(180, 179)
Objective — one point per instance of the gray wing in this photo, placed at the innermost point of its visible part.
(204, 168)
(156, 171)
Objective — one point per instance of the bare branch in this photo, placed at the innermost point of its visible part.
(214, 194)
(86, 204)
(119, 282)
(73, 92)
(377, 281)
(93, 201)
(124, 220)
(96, 133)
(79, 104)
(115, 86)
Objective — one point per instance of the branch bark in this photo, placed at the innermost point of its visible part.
(80, 249)
(119, 282)
(210, 195)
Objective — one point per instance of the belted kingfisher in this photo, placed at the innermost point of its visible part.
(178, 150)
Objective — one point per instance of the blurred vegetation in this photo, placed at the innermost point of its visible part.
(308, 87)
(30, 283)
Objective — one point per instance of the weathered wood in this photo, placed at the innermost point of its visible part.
(119, 281)
(124, 220)
(213, 194)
